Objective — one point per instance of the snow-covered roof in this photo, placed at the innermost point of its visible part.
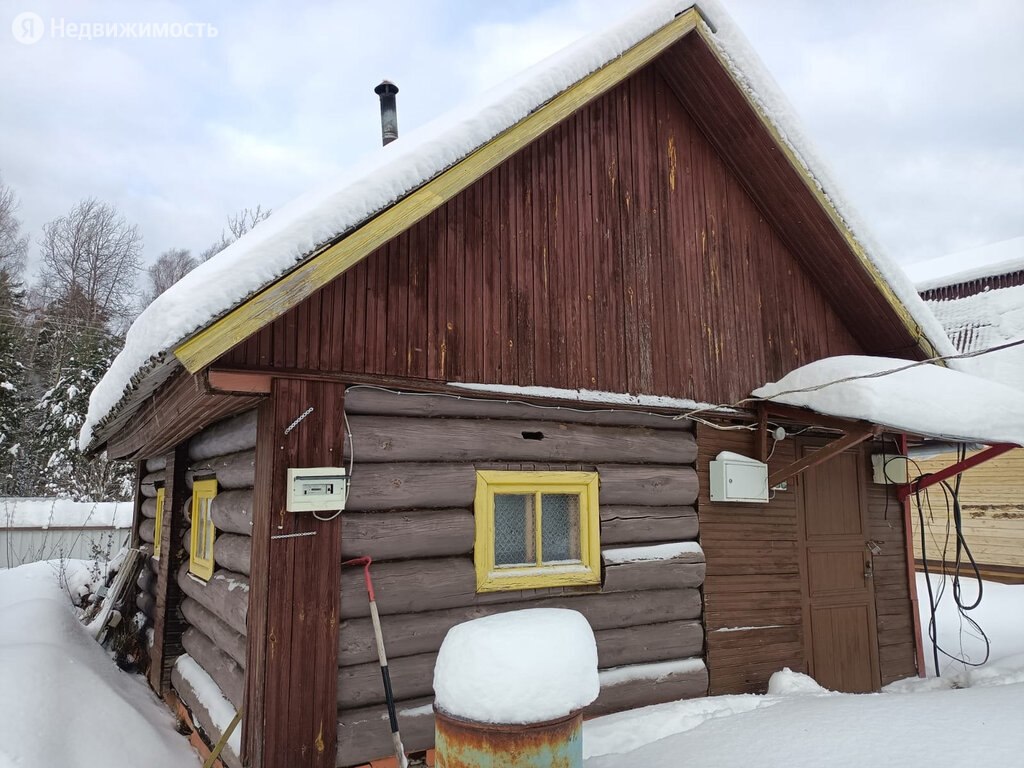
(297, 231)
(63, 513)
(972, 264)
(923, 400)
(982, 321)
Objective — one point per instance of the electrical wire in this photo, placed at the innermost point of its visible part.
(351, 466)
(951, 497)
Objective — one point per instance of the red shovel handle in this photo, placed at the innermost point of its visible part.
(365, 562)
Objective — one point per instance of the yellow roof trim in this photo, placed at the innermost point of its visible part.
(811, 183)
(273, 301)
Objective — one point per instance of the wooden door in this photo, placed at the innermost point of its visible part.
(838, 588)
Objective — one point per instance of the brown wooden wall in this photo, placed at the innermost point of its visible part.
(618, 252)
(752, 591)
(992, 500)
(753, 577)
(896, 650)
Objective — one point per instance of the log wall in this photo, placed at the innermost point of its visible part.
(216, 610)
(145, 599)
(411, 509)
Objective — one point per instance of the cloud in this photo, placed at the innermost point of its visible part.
(916, 106)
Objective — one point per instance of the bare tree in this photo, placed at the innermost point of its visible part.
(238, 225)
(91, 258)
(13, 245)
(167, 270)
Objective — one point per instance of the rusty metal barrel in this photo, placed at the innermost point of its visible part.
(462, 743)
(510, 690)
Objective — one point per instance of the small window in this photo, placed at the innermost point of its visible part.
(536, 529)
(158, 524)
(200, 561)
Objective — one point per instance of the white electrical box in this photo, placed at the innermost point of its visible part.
(890, 469)
(316, 489)
(738, 478)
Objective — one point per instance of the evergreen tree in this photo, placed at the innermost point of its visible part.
(61, 412)
(16, 477)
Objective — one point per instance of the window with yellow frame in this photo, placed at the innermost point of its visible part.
(536, 529)
(158, 523)
(200, 561)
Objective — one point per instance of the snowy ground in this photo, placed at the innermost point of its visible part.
(65, 703)
(969, 716)
(68, 705)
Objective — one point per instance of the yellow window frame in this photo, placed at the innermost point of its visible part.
(200, 560)
(158, 524)
(489, 483)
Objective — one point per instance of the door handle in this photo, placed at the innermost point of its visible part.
(869, 569)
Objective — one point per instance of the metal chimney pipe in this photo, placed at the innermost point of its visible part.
(388, 111)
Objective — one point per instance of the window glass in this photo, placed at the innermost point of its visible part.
(560, 531)
(513, 529)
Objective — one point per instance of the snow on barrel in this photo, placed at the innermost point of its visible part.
(510, 689)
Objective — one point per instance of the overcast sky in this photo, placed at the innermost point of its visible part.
(917, 106)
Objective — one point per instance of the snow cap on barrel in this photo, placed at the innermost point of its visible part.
(520, 667)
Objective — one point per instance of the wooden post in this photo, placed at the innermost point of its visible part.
(168, 623)
(140, 471)
(295, 597)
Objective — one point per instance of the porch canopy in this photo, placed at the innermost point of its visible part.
(916, 398)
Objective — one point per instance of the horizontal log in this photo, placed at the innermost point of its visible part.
(231, 511)
(655, 486)
(647, 643)
(640, 685)
(653, 574)
(156, 464)
(393, 439)
(366, 400)
(201, 716)
(364, 733)
(147, 486)
(412, 586)
(148, 508)
(633, 524)
(361, 686)
(144, 602)
(232, 435)
(413, 676)
(416, 633)
(397, 535)
(224, 670)
(147, 530)
(235, 470)
(151, 562)
(232, 551)
(146, 580)
(411, 486)
(225, 638)
(226, 595)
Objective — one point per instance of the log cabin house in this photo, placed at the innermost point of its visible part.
(978, 297)
(495, 331)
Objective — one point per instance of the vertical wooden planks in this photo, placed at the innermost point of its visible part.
(294, 600)
(620, 252)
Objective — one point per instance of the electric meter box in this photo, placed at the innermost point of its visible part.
(316, 489)
(738, 478)
(890, 468)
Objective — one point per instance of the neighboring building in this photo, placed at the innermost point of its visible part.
(33, 529)
(978, 296)
(461, 327)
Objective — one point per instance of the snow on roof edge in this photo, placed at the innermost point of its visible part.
(297, 230)
(989, 260)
